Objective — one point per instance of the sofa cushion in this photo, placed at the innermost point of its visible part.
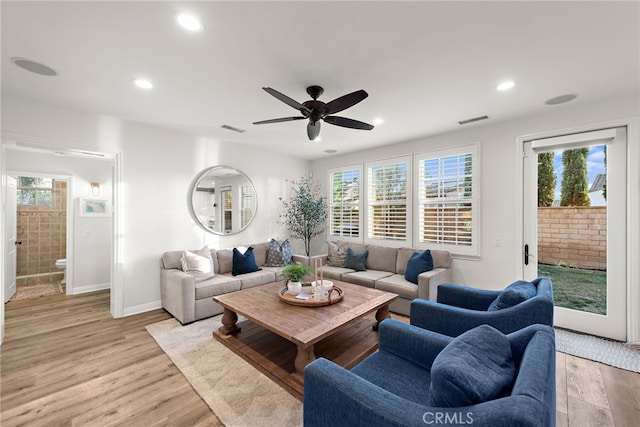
(337, 254)
(244, 263)
(260, 251)
(397, 284)
(218, 285)
(357, 247)
(441, 259)
(475, 367)
(225, 261)
(418, 263)
(365, 278)
(381, 258)
(356, 260)
(256, 278)
(403, 258)
(335, 273)
(199, 264)
(279, 254)
(513, 294)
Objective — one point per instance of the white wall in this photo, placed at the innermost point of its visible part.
(157, 168)
(496, 266)
(91, 266)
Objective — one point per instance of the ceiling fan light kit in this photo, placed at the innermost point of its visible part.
(316, 111)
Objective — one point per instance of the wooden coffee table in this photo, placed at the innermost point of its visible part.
(281, 339)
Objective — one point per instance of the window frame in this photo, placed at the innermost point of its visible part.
(247, 204)
(406, 159)
(330, 173)
(472, 250)
(21, 188)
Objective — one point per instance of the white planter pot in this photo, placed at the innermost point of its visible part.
(294, 288)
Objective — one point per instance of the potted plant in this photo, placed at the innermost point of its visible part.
(305, 213)
(294, 274)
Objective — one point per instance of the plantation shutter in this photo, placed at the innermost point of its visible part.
(446, 207)
(344, 205)
(247, 202)
(387, 200)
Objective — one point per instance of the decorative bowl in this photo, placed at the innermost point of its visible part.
(325, 284)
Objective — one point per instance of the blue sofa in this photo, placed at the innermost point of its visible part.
(391, 386)
(461, 308)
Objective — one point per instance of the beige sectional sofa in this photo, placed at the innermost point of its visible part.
(385, 269)
(189, 300)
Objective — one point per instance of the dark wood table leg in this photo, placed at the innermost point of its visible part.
(303, 358)
(381, 314)
(229, 319)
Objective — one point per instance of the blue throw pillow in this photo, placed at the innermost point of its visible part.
(244, 263)
(356, 261)
(475, 367)
(514, 294)
(418, 263)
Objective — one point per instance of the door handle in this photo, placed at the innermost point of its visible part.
(18, 242)
(526, 254)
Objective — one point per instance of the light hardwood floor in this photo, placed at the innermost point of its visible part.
(66, 362)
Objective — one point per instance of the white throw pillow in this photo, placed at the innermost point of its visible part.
(200, 264)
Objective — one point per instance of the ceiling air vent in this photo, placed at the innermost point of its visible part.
(232, 128)
(475, 119)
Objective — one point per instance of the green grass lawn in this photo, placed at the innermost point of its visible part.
(584, 290)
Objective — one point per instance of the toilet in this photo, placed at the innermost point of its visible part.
(62, 265)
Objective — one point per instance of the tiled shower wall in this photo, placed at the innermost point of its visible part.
(43, 233)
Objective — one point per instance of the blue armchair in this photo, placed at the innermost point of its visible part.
(391, 387)
(461, 308)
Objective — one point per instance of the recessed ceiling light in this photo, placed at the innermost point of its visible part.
(561, 99)
(189, 22)
(377, 121)
(34, 67)
(506, 85)
(318, 139)
(143, 84)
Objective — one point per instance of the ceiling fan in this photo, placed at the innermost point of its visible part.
(316, 111)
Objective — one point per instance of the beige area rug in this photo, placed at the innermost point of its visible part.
(37, 290)
(235, 391)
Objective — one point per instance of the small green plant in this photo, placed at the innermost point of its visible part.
(296, 272)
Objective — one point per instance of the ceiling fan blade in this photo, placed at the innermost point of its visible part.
(347, 123)
(284, 98)
(345, 101)
(313, 129)
(283, 119)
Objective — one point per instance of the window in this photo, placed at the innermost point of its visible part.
(247, 203)
(344, 203)
(35, 191)
(387, 189)
(447, 199)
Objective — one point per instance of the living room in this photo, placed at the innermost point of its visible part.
(154, 159)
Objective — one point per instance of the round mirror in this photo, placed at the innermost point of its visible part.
(223, 200)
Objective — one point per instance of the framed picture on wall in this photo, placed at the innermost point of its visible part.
(90, 206)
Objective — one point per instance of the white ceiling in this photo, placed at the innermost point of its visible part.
(425, 65)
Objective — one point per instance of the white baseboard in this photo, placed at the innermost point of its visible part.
(142, 308)
(90, 288)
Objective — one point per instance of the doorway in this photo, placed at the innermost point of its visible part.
(581, 246)
(41, 235)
